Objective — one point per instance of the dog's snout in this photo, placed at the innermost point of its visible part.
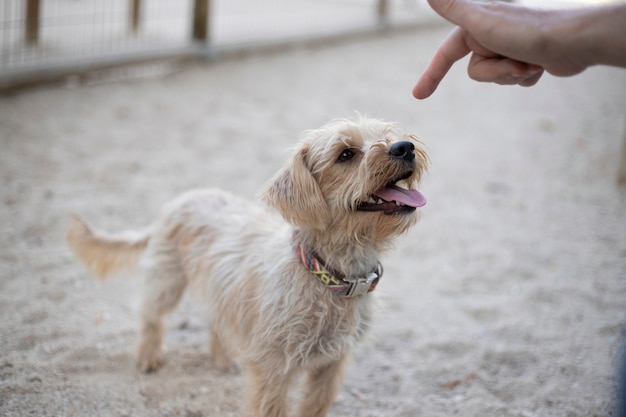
(403, 150)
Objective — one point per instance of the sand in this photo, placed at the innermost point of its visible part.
(508, 298)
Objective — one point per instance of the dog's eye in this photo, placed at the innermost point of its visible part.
(346, 155)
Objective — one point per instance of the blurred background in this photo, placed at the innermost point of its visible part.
(47, 39)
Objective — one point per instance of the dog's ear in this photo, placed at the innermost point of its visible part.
(295, 193)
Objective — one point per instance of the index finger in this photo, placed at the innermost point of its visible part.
(453, 48)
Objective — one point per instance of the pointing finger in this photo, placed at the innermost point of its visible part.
(450, 51)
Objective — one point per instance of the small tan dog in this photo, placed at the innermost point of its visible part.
(284, 297)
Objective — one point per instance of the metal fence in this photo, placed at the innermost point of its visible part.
(48, 38)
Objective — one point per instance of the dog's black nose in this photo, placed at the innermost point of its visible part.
(403, 150)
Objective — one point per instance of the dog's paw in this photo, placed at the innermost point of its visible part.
(150, 364)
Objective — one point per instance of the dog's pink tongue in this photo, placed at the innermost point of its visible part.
(411, 198)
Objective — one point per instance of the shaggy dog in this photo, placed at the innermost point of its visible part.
(284, 296)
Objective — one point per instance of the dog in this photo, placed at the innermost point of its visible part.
(286, 295)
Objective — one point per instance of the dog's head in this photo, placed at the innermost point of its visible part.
(357, 177)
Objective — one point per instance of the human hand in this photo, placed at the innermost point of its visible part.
(509, 44)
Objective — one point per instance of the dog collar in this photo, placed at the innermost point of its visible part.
(345, 287)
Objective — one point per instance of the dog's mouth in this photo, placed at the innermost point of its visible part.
(394, 198)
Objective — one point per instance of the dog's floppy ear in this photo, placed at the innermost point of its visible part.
(295, 193)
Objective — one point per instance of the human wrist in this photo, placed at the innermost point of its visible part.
(598, 35)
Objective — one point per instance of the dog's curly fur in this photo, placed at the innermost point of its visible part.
(265, 306)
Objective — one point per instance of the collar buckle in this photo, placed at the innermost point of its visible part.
(360, 286)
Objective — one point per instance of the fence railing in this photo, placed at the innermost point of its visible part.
(43, 39)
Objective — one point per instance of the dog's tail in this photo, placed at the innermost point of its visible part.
(105, 253)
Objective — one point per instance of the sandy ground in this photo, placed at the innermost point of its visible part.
(507, 299)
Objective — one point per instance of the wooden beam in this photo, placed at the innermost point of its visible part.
(32, 21)
(200, 29)
(135, 15)
(382, 11)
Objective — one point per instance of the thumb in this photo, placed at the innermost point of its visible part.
(454, 11)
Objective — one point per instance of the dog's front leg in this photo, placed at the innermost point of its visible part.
(321, 389)
(268, 389)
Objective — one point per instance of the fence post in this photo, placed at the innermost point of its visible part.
(32, 21)
(383, 11)
(200, 30)
(135, 14)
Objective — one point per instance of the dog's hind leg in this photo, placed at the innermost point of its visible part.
(219, 353)
(165, 283)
